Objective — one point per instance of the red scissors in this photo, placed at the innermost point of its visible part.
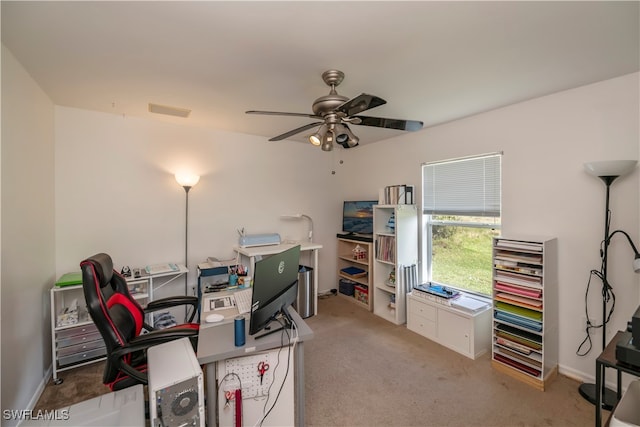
(228, 395)
(262, 368)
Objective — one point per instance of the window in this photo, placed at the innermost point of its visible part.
(461, 215)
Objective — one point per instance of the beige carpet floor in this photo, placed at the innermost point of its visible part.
(361, 370)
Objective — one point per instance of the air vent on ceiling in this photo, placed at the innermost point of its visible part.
(170, 111)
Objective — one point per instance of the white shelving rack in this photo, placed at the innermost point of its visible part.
(525, 308)
(76, 341)
(395, 238)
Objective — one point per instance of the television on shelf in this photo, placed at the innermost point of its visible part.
(357, 216)
(275, 288)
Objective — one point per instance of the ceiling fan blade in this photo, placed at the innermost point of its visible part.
(295, 131)
(360, 103)
(278, 113)
(380, 122)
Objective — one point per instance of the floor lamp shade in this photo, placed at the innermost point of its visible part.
(612, 168)
(187, 179)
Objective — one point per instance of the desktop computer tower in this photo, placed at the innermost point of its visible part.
(176, 389)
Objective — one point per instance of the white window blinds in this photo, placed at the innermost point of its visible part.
(469, 186)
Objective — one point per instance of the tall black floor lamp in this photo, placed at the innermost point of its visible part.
(186, 181)
(607, 171)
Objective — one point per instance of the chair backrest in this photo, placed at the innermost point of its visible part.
(116, 314)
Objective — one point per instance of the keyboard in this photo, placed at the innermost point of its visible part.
(243, 300)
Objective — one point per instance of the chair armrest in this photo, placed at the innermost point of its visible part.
(169, 302)
(144, 341)
(175, 301)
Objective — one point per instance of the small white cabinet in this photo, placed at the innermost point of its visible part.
(461, 331)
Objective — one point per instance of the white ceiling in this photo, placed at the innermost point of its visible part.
(431, 61)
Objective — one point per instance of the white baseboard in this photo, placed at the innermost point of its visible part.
(34, 400)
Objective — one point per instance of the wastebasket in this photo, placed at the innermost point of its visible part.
(306, 292)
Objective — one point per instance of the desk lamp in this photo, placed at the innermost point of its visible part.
(301, 216)
(186, 181)
(607, 171)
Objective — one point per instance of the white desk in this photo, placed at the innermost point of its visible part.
(216, 344)
(255, 251)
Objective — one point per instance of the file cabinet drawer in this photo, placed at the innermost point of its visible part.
(77, 330)
(77, 339)
(421, 326)
(80, 357)
(419, 308)
(80, 348)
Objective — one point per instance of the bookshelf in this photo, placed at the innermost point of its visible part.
(395, 238)
(358, 254)
(525, 309)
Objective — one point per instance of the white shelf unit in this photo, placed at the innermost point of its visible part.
(468, 333)
(77, 341)
(525, 308)
(363, 294)
(395, 249)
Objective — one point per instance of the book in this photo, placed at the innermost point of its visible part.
(354, 271)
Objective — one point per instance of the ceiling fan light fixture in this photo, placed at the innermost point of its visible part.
(317, 138)
(345, 137)
(327, 141)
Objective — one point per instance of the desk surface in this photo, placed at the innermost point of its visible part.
(608, 357)
(217, 343)
(275, 249)
(228, 313)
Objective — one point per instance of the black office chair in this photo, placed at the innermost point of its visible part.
(121, 322)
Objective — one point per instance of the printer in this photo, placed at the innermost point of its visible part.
(628, 348)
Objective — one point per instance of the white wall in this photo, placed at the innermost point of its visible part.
(116, 192)
(28, 253)
(545, 188)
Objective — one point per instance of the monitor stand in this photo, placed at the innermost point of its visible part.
(287, 320)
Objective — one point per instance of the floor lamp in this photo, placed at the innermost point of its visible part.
(186, 181)
(607, 171)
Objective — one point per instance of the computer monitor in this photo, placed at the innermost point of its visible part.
(275, 287)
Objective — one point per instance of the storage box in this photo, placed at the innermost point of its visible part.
(361, 293)
(627, 413)
(346, 287)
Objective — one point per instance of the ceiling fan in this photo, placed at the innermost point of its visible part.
(336, 112)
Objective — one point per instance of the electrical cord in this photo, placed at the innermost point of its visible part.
(607, 295)
(285, 330)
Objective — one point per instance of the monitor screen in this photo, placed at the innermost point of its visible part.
(275, 287)
(357, 216)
